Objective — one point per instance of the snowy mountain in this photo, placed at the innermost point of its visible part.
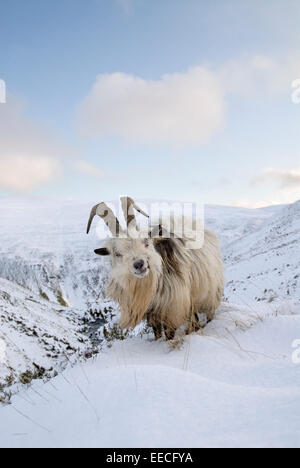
(265, 264)
(52, 304)
(47, 263)
(37, 333)
(232, 223)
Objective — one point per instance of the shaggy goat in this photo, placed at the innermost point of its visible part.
(160, 278)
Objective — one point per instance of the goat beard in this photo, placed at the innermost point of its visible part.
(135, 298)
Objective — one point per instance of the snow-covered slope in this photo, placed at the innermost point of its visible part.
(233, 386)
(39, 335)
(50, 282)
(44, 248)
(265, 264)
(49, 277)
(232, 223)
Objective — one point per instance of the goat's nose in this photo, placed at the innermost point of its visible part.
(139, 264)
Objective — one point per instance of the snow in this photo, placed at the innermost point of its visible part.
(49, 281)
(234, 384)
(35, 332)
(265, 264)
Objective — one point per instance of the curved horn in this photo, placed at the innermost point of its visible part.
(108, 217)
(127, 206)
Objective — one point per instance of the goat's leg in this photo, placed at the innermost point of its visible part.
(169, 332)
(155, 324)
(157, 330)
(210, 314)
(194, 325)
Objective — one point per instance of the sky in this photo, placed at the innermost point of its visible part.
(168, 99)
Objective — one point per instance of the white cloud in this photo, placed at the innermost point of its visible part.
(286, 185)
(260, 76)
(29, 157)
(287, 180)
(25, 173)
(182, 108)
(89, 169)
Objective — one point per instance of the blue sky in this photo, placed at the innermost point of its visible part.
(90, 112)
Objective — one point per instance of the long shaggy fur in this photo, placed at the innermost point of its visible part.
(180, 284)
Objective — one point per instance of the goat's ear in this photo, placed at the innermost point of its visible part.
(103, 252)
(163, 245)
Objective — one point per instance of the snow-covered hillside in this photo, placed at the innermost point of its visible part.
(233, 386)
(265, 264)
(227, 382)
(37, 333)
(53, 281)
(44, 250)
(232, 223)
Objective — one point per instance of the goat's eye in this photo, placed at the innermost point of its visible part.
(118, 254)
(147, 243)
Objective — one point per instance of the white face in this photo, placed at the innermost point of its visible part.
(134, 256)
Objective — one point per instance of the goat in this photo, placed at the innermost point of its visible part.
(159, 278)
